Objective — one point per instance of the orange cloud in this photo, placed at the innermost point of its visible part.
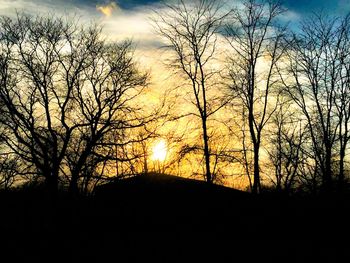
(108, 9)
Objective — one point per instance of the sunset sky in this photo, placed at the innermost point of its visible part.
(129, 18)
(300, 6)
(170, 92)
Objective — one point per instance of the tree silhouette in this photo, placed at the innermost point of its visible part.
(255, 39)
(285, 147)
(190, 30)
(63, 89)
(319, 83)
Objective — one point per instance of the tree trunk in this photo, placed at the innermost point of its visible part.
(341, 169)
(208, 177)
(327, 176)
(73, 185)
(145, 160)
(256, 184)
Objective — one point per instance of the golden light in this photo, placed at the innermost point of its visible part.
(159, 151)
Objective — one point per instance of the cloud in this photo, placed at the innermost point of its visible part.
(290, 16)
(46, 8)
(108, 9)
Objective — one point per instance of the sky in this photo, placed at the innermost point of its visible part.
(123, 19)
(134, 11)
(307, 6)
(297, 6)
(129, 19)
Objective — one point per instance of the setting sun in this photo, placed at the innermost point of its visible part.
(159, 151)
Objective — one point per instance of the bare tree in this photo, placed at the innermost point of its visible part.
(9, 170)
(63, 90)
(341, 57)
(256, 41)
(190, 30)
(318, 64)
(286, 142)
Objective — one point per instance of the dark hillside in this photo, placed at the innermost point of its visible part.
(169, 219)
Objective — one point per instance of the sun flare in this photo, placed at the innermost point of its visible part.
(159, 151)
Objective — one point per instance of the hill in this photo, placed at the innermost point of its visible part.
(162, 218)
(163, 201)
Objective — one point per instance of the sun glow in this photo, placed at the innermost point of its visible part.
(159, 151)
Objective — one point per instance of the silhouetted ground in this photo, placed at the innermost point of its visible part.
(159, 218)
